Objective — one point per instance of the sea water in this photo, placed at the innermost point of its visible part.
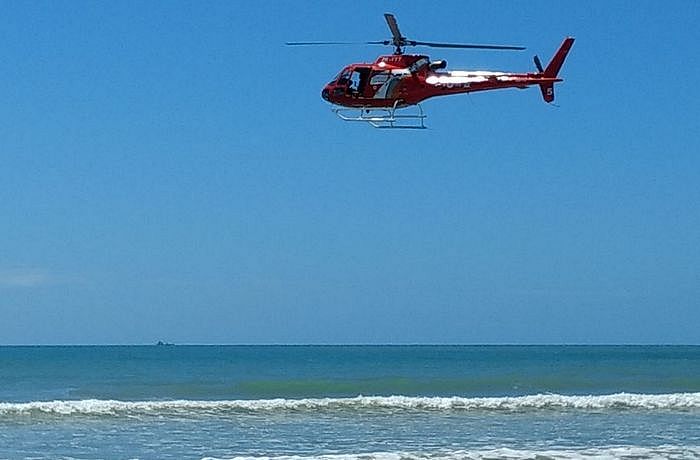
(350, 402)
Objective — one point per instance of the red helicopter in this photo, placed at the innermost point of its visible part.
(374, 93)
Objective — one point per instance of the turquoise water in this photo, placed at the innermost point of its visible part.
(350, 403)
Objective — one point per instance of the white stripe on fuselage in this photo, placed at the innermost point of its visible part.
(462, 77)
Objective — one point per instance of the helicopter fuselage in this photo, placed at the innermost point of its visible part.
(401, 80)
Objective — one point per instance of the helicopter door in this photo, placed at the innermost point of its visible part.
(383, 84)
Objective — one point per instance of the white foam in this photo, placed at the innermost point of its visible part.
(602, 453)
(674, 401)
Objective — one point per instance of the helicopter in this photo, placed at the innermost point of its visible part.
(377, 93)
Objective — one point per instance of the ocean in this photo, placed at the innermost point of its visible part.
(350, 402)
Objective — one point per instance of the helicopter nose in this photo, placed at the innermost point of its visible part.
(325, 94)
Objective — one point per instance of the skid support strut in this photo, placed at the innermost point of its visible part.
(384, 117)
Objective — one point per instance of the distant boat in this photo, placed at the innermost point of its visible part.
(160, 343)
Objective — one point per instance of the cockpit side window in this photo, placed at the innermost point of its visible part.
(379, 78)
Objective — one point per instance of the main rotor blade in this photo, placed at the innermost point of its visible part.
(385, 42)
(394, 27)
(468, 46)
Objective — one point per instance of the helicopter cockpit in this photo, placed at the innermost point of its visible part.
(351, 81)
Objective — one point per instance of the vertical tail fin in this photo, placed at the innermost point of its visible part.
(547, 91)
(552, 69)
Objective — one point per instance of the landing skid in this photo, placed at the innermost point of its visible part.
(384, 117)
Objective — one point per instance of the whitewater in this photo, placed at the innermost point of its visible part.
(619, 401)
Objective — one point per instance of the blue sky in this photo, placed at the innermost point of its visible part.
(170, 172)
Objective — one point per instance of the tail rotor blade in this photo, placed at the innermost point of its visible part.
(538, 64)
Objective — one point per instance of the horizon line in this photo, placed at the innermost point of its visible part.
(351, 344)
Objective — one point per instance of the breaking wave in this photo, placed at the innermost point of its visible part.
(674, 401)
(604, 453)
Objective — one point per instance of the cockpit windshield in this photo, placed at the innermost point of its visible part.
(343, 77)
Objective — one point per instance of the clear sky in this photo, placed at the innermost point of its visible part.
(168, 171)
